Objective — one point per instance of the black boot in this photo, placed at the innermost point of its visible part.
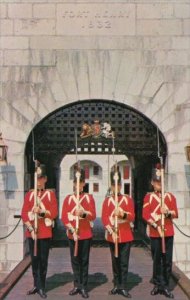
(74, 291)
(41, 293)
(33, 291)
(124, 293)
(167, 293)
(114, 291)
(155, 291)
(84, 293)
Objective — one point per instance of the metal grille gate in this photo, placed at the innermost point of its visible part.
(135, 134)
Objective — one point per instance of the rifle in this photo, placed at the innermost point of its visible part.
(77, 174)
(35, 204)
(116, 177)
(162, 206)
(162, 195)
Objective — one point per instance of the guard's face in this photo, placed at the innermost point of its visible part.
(41, 182)
(118, 188)
(156, 185)
(81, 186)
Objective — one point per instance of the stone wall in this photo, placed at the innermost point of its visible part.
(55, 52)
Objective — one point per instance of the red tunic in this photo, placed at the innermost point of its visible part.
(124, 225)
(151, 212)
(69, 219)
(48, 202)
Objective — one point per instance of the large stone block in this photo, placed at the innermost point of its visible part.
(22, 106)
(155, 11)
(42, 58)
(186, 197)
(175, 74)
(181, 95)
(15, 202)
(138, 78)
(17, 236)
(180, 42)
(159, 27)
(20, 10)
(182, 221)
(16, 57)
(92, 19)
(3, 216)
(182, 10)
(34, 27)
(1, 58)
(188, 216)
(188, 253)
(15, 252)
(14, 119)
(180, 252)
(3, 232)
(14, 42)
(164, 90)
(186, 27)
(156, 43)
(3, 11)
(3, 251)
(155, 82)
(6, 26)
(44, 11)
(14, 181)
(178, 181)
(179, 237)
(170, 57)
(86, 42)
(169, 122)
(67, 74)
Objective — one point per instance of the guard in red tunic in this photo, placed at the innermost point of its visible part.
(87, 214)
(152, 210)
(47, 211)
(126, 216)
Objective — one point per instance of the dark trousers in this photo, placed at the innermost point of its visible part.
(39, 262)
(80, 263)
(162, 263)
(120, 264)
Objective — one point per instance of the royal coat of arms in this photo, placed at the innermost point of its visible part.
(96, 130)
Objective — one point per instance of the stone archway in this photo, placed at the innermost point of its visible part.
(135, 137)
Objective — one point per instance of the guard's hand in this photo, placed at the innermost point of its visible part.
(75, 236)
(79, 212)
(114, 236)
(118, 212)
(36, 209)
(163, 210)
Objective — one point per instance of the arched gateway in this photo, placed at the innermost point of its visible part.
(135, 137)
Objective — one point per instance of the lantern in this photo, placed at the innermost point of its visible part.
(3, 151)
(187, 152)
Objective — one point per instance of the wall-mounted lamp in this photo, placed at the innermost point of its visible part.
(3, 151)
(187, 152)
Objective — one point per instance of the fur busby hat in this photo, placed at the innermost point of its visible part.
(156, 173)
(82, 174)
(115, 169)
(41, 171)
